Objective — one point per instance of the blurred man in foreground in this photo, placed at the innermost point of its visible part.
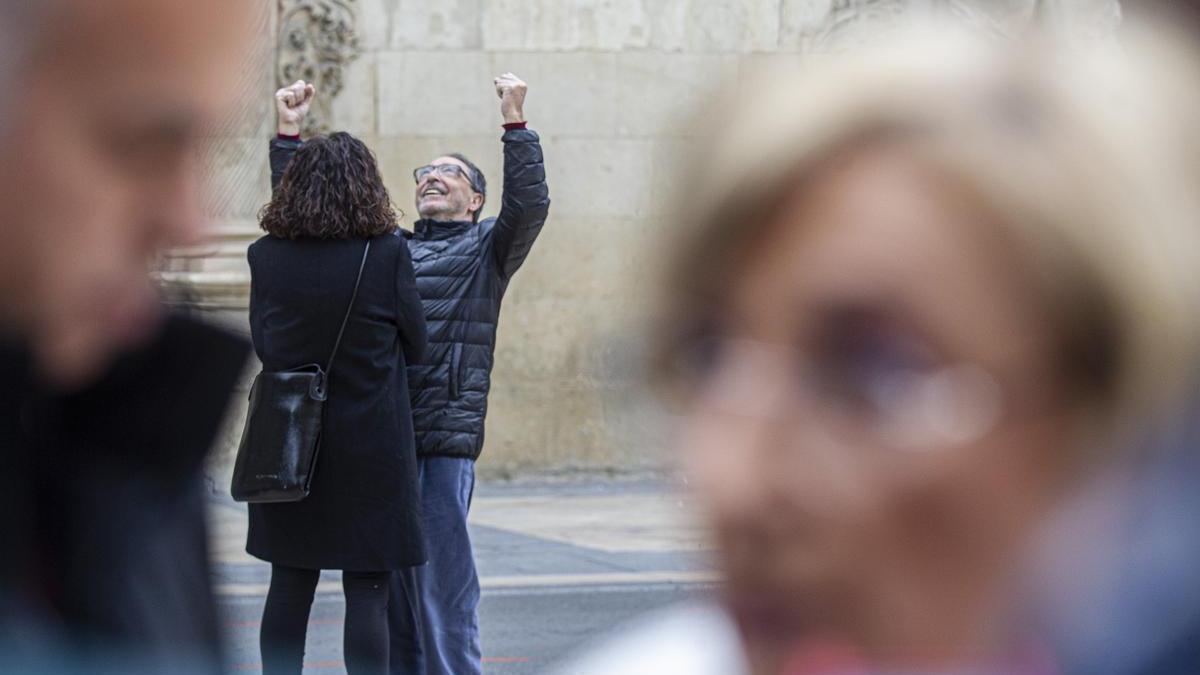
(107, 406)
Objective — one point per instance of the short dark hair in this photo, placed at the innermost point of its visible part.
(330, 190)
(477, 180)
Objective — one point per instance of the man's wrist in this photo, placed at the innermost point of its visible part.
(289, 129)
(512, 126)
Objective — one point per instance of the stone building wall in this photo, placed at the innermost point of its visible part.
(610, 84)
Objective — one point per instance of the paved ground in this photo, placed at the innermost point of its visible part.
(560, 564)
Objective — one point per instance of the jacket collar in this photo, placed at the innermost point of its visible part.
(431, 229)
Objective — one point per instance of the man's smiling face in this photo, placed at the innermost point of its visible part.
(445, 194)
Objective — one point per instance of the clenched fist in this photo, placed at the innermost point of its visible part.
(511, 90)
(292, 104)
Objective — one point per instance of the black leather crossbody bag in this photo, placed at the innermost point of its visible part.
(282, 436)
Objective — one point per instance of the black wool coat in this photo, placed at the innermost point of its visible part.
(363, 511)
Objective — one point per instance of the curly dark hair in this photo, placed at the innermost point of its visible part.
(330, 190)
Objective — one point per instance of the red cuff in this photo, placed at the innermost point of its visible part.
(286, 137)
(514, 125)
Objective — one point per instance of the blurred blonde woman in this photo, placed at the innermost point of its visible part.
(926, 291)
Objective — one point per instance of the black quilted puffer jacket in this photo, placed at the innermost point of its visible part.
(463, 269)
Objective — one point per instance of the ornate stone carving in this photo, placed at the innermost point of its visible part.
(317, 39)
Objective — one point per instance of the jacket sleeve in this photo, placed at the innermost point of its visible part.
(282, 150)
(525, 201)
(410, 312)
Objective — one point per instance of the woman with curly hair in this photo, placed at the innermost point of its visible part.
(330, 216)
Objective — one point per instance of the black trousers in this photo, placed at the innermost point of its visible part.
(285, 621)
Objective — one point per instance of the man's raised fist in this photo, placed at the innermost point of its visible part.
(292, 102)
(511, 90)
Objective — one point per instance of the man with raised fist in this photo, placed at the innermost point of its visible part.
(463, 267)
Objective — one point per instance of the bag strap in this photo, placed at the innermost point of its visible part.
(337, 343)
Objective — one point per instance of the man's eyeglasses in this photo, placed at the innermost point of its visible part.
(451, 170)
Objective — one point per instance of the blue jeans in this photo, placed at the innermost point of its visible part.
(433, 612)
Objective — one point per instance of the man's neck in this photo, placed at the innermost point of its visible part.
(429, 228)
(456, 218)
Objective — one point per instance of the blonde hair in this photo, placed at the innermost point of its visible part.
(1085, 154)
